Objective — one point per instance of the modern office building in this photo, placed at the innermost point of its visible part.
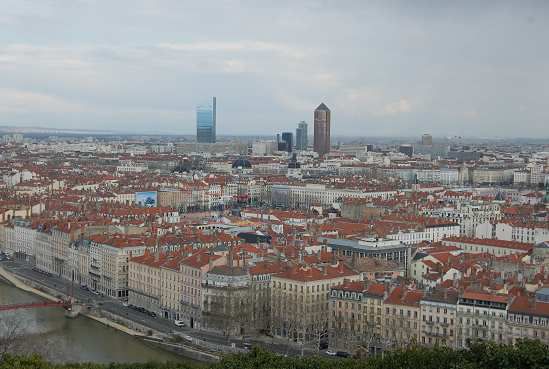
(301, 133)
(206, 122)
(427, 140)
(322, 129)
(406, 149)
(288, 139)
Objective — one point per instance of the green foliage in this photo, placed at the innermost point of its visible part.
(525, 354)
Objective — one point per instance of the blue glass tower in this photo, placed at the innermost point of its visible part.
(205, 122)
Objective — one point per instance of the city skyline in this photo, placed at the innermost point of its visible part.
(459, 76)
(377, 188)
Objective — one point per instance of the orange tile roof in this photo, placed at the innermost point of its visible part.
(403, 296)
(313, 273)
(491, 242)
(484, 296)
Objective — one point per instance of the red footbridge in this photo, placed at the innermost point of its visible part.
(36, 305)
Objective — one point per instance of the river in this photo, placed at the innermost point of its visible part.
(59, 339)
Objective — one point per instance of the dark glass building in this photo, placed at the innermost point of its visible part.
(322, 130)
(205, 122)
(288, 138)
(406, 149)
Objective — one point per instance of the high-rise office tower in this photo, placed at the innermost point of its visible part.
(287, 138)
(301, 136)
(322, 130)
(427, 140)
(205, 122)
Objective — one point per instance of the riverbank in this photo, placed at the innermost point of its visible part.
(122, 324)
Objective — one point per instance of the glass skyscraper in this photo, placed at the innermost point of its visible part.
(205, 122)
(287, 137)
(301, 136)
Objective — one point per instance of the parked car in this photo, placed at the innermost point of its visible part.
(331, 353)
(342, 354)
(187, 337)
(125, 304)
(179, 323)
(153, 314)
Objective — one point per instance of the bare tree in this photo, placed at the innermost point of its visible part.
(11, 334)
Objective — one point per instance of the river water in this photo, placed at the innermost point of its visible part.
(59, 339)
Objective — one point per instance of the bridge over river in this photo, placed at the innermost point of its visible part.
(57, 338)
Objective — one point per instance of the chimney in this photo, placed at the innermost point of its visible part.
(334, 258)
(230, 257)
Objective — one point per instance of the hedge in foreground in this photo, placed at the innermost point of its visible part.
(524, 355)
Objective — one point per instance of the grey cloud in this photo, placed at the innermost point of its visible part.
(384, 67)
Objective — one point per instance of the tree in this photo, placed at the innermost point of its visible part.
(11, 333)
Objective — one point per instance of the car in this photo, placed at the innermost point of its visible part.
(342, 354)
(179, 323)
(331, 353)
(187, 337)
(152, 314)
(95, 292)
(84, 287)
(125, 304)
(247, 345)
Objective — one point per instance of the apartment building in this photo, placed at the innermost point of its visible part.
(528, 317)
(171, 282)
(468, 215)
(260, 295)
(490, 246)
(144, 280)
(303, 197)
(356, 312)
(481, 316)
(526, 232)
(226, 299)
(109, 258)
(439, 318)
(193, 269)
(400, 325)
(299, 299)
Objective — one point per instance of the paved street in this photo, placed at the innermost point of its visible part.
(158, 324)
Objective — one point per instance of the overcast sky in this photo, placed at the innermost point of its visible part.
(396, 68)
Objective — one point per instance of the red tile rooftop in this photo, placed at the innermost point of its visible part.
(403, 296)
(265, 267)
(490, 242)
(528, 306)
(484, 296)
(312, 273)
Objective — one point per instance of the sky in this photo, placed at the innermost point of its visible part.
(384, 68)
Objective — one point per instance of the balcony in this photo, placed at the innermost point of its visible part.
(434, 333)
